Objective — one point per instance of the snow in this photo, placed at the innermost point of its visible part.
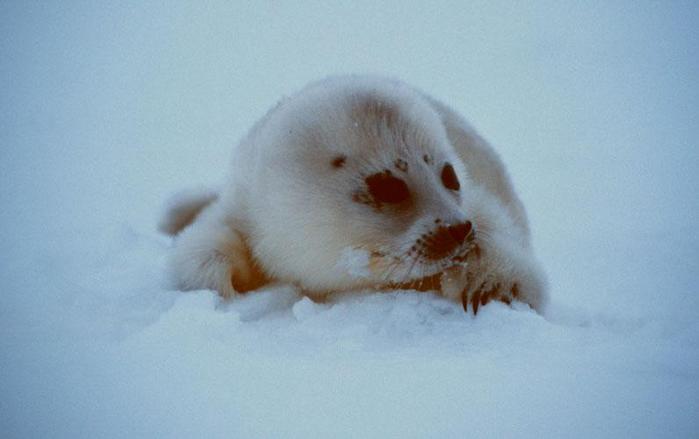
(107, 110)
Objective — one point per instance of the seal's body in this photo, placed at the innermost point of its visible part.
(360, 182)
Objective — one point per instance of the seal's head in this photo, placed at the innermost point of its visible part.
(363, 189)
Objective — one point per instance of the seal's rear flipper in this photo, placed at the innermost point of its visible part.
(182, 208)
(211, 252)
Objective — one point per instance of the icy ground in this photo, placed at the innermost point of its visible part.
(106, 110)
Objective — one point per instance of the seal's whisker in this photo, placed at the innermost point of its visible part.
(387, 274)
(407, 276)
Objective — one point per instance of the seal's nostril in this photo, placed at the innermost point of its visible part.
(445, 239)
(460, 231)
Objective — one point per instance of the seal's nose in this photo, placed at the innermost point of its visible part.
(446, 238)
(459, 232)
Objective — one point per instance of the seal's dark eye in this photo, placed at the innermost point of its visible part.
(449, 179)
(339, 161)
(385, 188)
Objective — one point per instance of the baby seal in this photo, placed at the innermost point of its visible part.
(360, 182)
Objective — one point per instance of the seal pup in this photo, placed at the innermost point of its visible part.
(360, 182)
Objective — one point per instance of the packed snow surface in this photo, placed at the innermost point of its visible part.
(108, 109)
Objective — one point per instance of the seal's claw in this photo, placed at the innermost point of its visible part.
(506, 299)
(479, 297)
(475, 301)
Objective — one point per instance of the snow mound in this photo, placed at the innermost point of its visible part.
(118, 355)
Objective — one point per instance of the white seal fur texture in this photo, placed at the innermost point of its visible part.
(360, 182)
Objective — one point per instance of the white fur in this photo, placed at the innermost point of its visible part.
(285, 214)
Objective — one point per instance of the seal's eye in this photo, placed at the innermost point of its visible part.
(449, 178)
(338, 161)
(385, 188)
